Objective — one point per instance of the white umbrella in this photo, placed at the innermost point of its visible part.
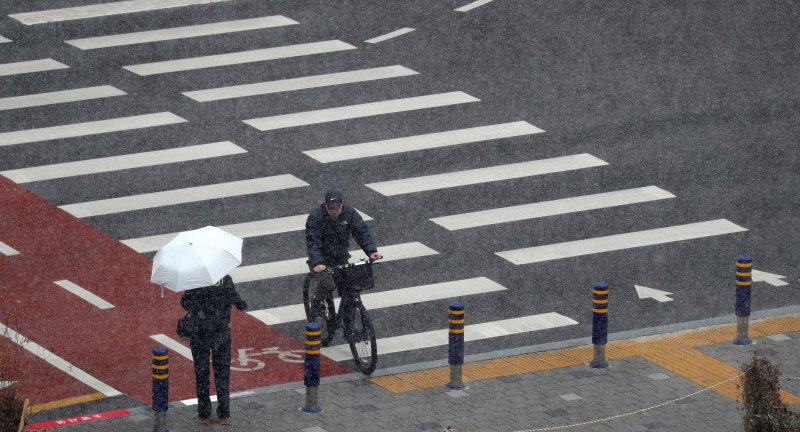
(195, 259)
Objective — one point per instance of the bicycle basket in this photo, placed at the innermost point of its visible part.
(359, 278)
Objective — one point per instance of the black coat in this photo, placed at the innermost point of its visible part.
(328, 240)
(214, 301)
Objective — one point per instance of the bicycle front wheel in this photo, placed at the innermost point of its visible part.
(361, 337)
(319, 309)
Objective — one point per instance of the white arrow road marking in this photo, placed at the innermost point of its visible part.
(654, 294)
(770, 278)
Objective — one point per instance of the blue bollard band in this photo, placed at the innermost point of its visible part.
(311, 365)
(160, 379)
(599, 313)
(744, 280)
(455, 351)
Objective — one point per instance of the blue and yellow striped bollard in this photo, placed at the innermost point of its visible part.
(599, 324)
(160, 388)
(311, 367)
(455, 351)
(744, 281)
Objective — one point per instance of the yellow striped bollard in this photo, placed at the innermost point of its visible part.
(455, 350)
(744, 280)
(160, 388)
(311, 368)
(599, 324)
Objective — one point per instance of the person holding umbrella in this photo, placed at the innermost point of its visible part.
(197, 263)
(213, 339)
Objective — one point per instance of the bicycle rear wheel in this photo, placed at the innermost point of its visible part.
(360, 336)
(320, 310)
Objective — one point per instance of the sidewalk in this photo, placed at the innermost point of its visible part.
(680, 381)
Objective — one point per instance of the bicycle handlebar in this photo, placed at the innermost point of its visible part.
(362, 261)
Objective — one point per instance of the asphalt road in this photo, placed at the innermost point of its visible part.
(697, 99)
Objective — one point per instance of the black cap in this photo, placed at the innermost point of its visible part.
(333, 199)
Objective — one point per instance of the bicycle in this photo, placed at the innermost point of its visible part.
(352, 316)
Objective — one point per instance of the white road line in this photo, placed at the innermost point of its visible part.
(298, 266)
(89, 128)
(84, 294)
(181, 196)
(239, 57)
(57, 97)
(58, 362)
(7, 250)
(423, 142)
(360, 110)
(243, 230)
(181, 32)
(473, 5)
(98, 10)
(123, 162)
(173, 345)
(484, 175)
(30, 67)
(300, 83)
(551, 208)
(4, 39)
(472, 332)
(390, 35)
(385, 299)
(620, 241)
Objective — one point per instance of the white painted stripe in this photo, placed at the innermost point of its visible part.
(390, 35)
(300, 83)
(30, 67)
(182, 196)
(213, 398)
(360, 110)
(298, 266)
(621, 241)
(84, 294)
(472, 332)
(242, 230)
(58, 362)
(4, 384)
(552, 208)
(62, 96)
(4, 39)
(473, 5)
(173, 345)
(423, 142)
(385, 299)
(239, 57)
(105, 9)
(484, 175)
(181, 32)
(117, 163)
(89, 128)
(7, 250)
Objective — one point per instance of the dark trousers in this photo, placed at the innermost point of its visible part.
(215, 347)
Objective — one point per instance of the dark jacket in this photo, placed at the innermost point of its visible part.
(327, 240)
(214, 302)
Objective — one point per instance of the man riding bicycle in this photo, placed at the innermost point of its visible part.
(328, 231)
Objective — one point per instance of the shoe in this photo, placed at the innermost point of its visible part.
(225, 421)
(203, 421)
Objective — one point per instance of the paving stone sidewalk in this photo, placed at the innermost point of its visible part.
(632, 394)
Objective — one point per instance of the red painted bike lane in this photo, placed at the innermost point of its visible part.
(113, 345)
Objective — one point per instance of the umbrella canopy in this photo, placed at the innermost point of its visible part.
(195, 259)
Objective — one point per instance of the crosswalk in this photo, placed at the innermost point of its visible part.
(414, 141)
(61, 96)
(30, 66)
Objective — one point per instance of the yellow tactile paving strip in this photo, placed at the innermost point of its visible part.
(675, 353)
(65, 402)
